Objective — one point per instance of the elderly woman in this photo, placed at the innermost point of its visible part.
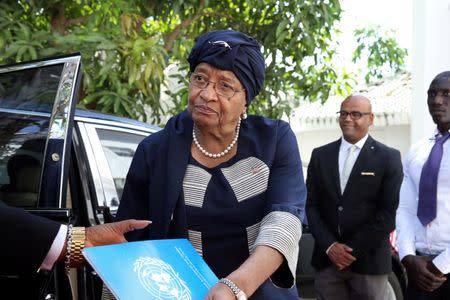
(231, 184)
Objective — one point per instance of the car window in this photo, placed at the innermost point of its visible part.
(36, 116)
(26, 99)
(32, 89)
(109, 148)
(119, 148)
(21, 157)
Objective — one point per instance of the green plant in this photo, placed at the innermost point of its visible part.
(380, 50)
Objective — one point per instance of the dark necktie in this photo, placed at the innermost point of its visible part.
(426, 210)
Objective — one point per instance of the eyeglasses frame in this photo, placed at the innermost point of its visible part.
(214, 86)
(362, 114)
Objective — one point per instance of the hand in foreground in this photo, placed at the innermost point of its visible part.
(112, 233)
(340, 256)
(220, 292)
(419, 272)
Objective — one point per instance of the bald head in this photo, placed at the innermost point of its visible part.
(355, 117)
(360, 99)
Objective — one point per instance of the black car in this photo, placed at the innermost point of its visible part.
(70, 165)
(60, 162)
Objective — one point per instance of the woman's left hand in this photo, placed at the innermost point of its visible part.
(220, 292)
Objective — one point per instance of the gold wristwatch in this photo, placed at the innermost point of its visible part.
(76, 246)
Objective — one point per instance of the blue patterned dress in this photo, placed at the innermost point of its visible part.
(255, 198)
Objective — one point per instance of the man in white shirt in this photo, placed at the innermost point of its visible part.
(423, 215)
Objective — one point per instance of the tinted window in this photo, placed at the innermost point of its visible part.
(26, 102)
(33, 89)
(119, 148)
(22, 145)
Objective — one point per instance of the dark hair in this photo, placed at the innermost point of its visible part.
(443, 75)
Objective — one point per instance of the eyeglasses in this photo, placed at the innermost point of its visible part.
(221, 87)
(354, 115)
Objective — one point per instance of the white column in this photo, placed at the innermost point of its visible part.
(430, 56)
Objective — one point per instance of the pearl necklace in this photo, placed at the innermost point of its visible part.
(220, 154)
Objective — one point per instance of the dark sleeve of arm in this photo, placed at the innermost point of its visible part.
(383, 221)
(322, 235)
(134, 201)
(286, 194)
(26, 240)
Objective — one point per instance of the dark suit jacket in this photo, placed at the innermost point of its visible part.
(364, 215)
(26, 240)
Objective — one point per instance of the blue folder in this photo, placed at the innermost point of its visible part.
(155, 269)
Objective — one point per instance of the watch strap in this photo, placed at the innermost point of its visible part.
(240, 295)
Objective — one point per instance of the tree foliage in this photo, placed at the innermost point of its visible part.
(123, 57)
(380, 50)
(127, 44)
(295, 36)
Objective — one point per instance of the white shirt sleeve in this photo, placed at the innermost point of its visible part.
(55, 249)
(442, 261)
(329, 248)
(406, 212)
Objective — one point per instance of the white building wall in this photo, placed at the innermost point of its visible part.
(395, 136)
(431, 55)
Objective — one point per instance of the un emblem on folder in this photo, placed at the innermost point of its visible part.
(160, 279)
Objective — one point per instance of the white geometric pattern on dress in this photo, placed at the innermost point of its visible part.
(252, 234)
(281, 230)
(195, 238)
(248, 177)
(195, 183)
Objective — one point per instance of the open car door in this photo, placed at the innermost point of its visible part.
(37, 102)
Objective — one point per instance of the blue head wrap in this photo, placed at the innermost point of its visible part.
(233, 51)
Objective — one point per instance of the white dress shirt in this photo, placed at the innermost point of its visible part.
(55, 249)
(343, 153)
(433, 239)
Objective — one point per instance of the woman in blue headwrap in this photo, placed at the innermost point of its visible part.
(231, 184)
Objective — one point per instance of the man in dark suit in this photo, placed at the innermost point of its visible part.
(353, 189)
(27, 239)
